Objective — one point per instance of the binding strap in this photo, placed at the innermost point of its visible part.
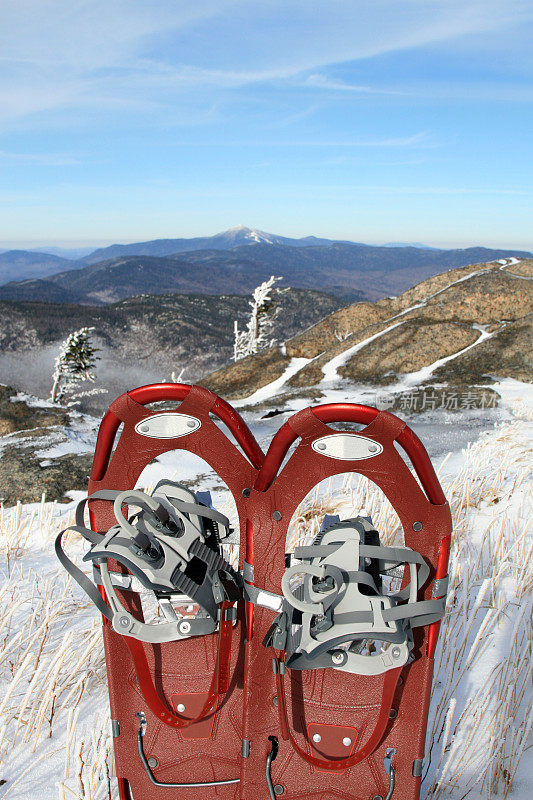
(219, 682)
(221, 675)
(372, 743)
(94, 538)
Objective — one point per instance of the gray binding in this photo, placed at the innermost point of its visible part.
(157, 545)
(336, 610)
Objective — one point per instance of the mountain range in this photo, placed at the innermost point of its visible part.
(435, 346)
(232, 262)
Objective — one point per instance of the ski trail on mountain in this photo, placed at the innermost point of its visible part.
(422, 375)
(330, 369)
(268, 391)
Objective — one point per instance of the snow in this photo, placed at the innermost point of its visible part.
(330, 369)
(271, 389)
(415, 378)
(77, 440)
(257, 236)
(33, 402)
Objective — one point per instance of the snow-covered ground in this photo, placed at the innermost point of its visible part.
(55, 740)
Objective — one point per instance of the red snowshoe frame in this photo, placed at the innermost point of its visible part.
(359, 721)
(238, 710)
(200, 748)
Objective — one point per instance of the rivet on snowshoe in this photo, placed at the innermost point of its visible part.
(277, 515)
(153, 762)
(246, 492)
(317, 738)
(417, 526)
(346, 741)
(339, 658)
(393, 713)
(279, 789)
(180, 708)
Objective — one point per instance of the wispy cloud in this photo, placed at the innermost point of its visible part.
(421, 139)
(441, 190)
(318, 80)
(45, 159)
(124, 53)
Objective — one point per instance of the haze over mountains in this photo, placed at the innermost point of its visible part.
(232, 262)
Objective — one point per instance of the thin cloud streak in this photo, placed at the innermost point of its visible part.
(45, 159)
(420, 139)
(320, 81)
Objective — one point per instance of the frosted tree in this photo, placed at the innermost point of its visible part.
(256, 334)
(74, 365)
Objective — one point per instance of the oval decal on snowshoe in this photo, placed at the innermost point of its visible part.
(167, 426)
(347, 446)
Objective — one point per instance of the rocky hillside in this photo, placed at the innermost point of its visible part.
(455, 328)
(40, 450)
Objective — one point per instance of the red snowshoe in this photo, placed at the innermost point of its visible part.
(175, 686)
(338, 673)
(321, 688)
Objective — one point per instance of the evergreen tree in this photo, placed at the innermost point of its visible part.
(74, 364)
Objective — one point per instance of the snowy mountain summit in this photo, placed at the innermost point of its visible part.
(243, 235)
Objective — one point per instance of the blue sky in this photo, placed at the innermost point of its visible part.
(378, 121)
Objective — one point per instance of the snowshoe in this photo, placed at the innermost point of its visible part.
(338, 670)
(174, 682)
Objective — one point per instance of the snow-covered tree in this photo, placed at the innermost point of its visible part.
(74, 365)
(255, 336)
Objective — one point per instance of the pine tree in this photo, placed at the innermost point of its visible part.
(255, 336)
(74, 364)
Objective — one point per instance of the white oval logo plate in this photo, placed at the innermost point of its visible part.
(170, 425)
(347, 446)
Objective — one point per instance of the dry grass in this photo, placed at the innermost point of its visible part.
(51, 660)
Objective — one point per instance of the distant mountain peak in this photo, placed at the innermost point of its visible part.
(243, 234)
